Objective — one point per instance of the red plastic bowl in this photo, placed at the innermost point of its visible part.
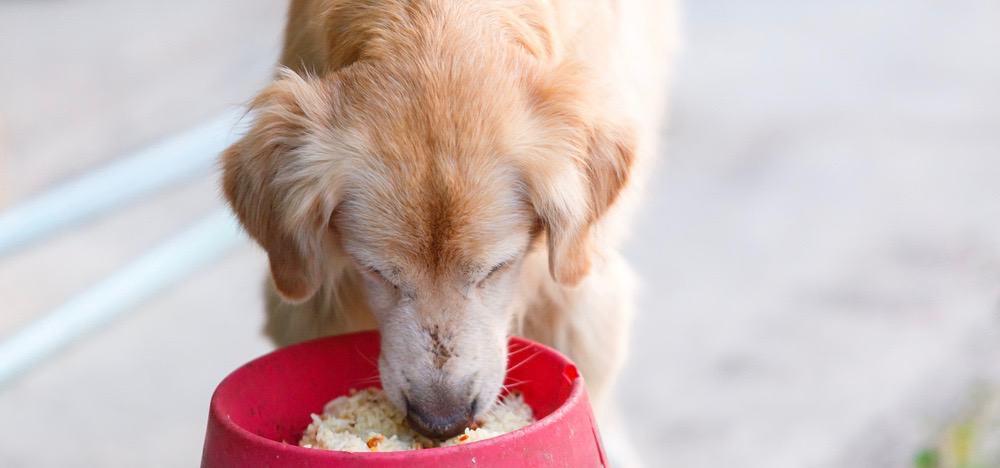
(259, 411)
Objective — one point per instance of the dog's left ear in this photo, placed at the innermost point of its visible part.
(578, 170)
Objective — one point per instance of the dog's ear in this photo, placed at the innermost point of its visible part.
(578, 170)
(284, 202)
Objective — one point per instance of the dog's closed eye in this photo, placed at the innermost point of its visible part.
(493, 271)
(381, 276)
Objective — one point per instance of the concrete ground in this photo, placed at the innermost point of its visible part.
(820, 244)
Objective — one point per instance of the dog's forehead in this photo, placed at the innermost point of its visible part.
(442, 215)
(435, 181)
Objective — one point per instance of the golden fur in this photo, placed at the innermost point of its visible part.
(452, 171)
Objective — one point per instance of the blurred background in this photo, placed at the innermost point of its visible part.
(820, 245)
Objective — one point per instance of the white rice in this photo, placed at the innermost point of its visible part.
(365, 421)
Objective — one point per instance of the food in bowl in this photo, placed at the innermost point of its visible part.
(365, 421)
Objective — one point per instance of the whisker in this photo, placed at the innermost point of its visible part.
(518, 351)
(368, 380)
(499, 402)
(522, 345)
(509, 370)
(515, 383)
(366, 358)
(497, 405)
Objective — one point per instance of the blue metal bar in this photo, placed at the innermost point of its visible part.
(168, 162)
(166, 264)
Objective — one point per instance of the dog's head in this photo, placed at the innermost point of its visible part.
(433, 184)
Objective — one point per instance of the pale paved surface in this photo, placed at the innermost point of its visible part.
(821, 247)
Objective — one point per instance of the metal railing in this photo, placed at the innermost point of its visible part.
(167, 163)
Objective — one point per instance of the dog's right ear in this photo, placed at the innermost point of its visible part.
(281, 197)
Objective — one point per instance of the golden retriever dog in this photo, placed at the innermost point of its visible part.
(451, 172)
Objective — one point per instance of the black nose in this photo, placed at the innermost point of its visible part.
(439, 425)
(440, 414)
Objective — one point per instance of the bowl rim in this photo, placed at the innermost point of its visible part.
(570, 372)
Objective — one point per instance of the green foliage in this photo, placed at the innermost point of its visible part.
(927, 458)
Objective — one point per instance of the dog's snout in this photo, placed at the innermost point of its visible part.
(439, 412)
